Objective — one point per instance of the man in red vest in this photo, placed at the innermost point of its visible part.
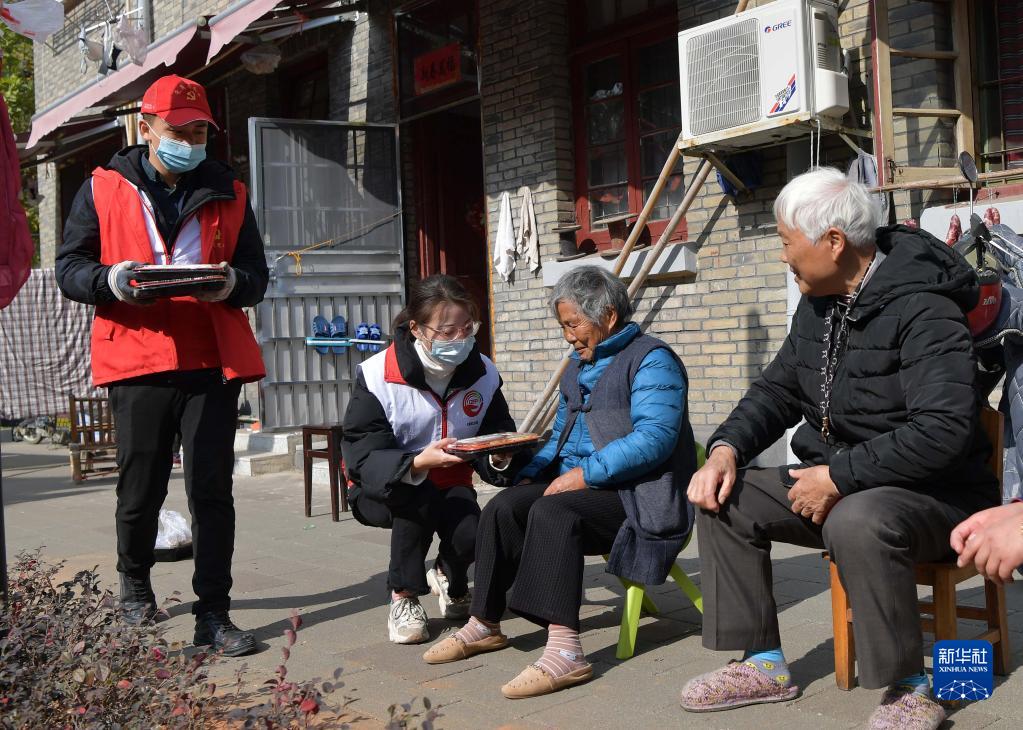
(175, 366)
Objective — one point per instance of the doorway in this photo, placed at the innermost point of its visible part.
(450, 203)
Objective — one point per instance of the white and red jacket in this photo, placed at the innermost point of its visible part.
(393, 415)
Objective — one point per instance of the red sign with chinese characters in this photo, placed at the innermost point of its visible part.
(437, 69)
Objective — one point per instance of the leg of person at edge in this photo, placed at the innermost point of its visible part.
(879, 364)
(431, 387)
(174, 365)
(621, 432)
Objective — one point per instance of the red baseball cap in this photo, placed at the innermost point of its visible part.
(178, 101)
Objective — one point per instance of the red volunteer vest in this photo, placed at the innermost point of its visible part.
(129, 340)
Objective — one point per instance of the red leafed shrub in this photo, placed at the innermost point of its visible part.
(67, 661)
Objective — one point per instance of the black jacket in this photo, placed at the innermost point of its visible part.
(83, 278)
(373, 461)
(904, 404)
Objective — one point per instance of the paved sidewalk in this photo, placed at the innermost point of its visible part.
(333, 573)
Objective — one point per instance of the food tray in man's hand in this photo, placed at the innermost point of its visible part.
(177, 272)
(494, 443)
(179, 287)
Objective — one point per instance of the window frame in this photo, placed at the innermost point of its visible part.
(627, 46)
(999, 160)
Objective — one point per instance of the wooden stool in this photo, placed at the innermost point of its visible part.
(618, 231)
(333, 456)
(943, 612)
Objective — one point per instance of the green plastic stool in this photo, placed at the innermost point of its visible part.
(637, 601)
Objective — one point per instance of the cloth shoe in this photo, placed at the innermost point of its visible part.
(534, 681)
(406, 622)
(453, 609)
(453, 649)
(902, 708)
(138, 602)
(736, 684)
(215, 629)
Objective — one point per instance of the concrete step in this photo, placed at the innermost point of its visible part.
(284, 442)
(255, 463)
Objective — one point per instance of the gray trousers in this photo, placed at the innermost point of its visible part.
(874, 537)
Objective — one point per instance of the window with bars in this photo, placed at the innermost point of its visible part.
(999, 51)
(628, 115)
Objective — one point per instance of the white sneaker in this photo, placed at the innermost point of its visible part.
(406, 622)
(453, 609)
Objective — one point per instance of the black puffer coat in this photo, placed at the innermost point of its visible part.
(904, 405)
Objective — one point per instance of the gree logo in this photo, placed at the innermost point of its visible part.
(777, 26)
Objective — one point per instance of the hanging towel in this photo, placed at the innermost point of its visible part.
(504, 246)
(527, 244)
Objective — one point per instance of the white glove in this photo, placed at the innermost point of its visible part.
(223, 292)
(119, 280)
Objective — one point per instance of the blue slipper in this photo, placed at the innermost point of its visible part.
(321, 330)
(375, 334)
(362, 333)
(338, 330)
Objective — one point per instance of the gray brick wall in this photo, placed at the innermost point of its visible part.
(527, 133)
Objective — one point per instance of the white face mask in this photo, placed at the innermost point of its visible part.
(452, 352)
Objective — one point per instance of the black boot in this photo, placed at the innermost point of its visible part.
(214, 629)
(138, 602)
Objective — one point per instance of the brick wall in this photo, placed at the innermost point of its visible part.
(527, 138)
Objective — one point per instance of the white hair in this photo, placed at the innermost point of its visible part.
(824, 197)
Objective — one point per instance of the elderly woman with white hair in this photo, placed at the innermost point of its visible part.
(611, 479)
(879, 367)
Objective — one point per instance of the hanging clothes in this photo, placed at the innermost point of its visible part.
(527, 243)
(504, 245)
(864, 171)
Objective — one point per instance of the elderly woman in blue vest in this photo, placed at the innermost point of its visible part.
(428, 389)
(611, 479)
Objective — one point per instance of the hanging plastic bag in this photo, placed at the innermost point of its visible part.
(35, 19)
(261, 59)
(132, 39)
(174, 530)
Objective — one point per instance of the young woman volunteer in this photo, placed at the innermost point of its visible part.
(428, 389)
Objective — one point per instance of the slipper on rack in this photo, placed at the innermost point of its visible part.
(375, 334)
(338, 330)
(362, 333)
(321, 330)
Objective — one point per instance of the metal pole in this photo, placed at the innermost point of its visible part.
(3, 537)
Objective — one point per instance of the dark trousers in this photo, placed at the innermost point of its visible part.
(453, 514)
(875, 537)
(148, 413)
(534, 546)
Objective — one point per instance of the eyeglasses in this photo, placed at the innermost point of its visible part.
(447, 334)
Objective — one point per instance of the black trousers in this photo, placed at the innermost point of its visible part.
(148, 413)
(534, 546)
(875, 537)
(453, 514)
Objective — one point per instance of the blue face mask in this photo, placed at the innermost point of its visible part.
(452, 352)
(177, 156)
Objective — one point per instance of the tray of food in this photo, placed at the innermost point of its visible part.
(169, 272)
(175, 280)
(493, 443)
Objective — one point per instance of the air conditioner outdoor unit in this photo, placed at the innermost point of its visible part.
(754, 77)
